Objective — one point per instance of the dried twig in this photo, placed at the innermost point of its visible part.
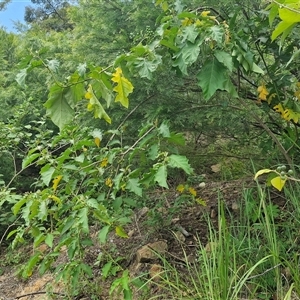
(40, 293)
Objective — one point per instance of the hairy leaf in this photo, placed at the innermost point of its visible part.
(46, 174)
(21, 76)
(53, 65)
(181, 162)
(178, 6)
(161, 176)
(49, 240)
(83, 219)
(164, 130)
(103, 234)
(29, 159)
(133, 185)
(81, 69)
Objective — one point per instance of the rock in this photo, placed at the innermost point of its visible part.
(216, 168)
(162, 210)
(179, 236)
(149, 252)
(202, 185)
(43, 248)
(131, 233)
(183, 231)
(191, 259)
(211, 246)
(235, 206)
(155, 272)
(142, 212)
(213, 213)
(175, 220)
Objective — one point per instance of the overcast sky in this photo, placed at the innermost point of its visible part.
(14, 12)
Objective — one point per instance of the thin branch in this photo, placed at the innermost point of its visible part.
(263, 273)
(213, 105)
(132, 147)
(204, 8)
(40, 293)
(271, 134)
(56, 12)
(130, 113)
(281, 5)
(6, 230)
(18, 173)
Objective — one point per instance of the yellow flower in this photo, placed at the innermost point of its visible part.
(192, 191)
(205, 13)
(278, 108)
(263, 93)
(88, 95)
(109, 182)
(297, 94)
(186, 22)
(97, 141)
(180, 188)
(104, 162)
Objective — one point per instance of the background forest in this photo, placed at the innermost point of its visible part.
(119, 122)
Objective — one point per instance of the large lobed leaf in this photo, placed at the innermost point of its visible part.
(123, 87)
(187, 56)
(58, 106)
(212, 77)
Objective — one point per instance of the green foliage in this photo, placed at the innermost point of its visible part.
(216, 75)
(87, 184)
(51, 15)
(213, 77)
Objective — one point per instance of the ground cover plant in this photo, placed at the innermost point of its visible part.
(114, 102)
(245, 256)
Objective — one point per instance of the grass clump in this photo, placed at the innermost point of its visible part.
(249, 255)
